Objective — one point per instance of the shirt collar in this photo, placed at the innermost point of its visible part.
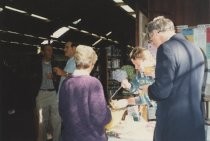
(81, 72)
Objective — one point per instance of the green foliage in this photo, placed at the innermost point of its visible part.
(130, 71)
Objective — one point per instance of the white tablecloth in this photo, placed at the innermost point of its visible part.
(130, 130)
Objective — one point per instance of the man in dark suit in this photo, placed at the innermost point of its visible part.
(177, 87)
(46, 85)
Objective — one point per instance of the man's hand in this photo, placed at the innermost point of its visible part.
(59, 71)
(49, 75)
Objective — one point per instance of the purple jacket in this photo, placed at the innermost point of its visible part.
(83, 109)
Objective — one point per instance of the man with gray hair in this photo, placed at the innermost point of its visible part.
(178, 83)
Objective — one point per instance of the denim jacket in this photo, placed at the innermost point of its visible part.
(139, 80)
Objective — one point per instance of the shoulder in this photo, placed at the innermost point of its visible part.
(93, 79)
(85, 79)
(174, 44)
(54, 62)
(70, 62)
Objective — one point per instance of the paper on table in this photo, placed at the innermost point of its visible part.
(129, 130)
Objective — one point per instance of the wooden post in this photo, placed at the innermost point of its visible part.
(141, 21)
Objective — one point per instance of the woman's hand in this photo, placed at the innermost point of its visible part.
(149, 71)
(125, 84)
(144, 88)
(131, 101)
(117, 104)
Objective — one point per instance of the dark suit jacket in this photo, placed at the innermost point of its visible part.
(36, 77)
(177, 90)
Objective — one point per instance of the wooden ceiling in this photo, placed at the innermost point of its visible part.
(97, 16)
(189, 12)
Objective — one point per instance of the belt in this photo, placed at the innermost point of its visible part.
(47, 89)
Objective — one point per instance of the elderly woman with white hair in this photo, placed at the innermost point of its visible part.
(82, 104)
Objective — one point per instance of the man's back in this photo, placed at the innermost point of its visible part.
(179, 75)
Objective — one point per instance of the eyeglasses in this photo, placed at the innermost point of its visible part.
(150, 36)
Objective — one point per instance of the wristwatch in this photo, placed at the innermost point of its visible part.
(67, 74)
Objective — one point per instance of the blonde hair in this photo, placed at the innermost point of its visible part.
(85, 56)
(137, 52)
(144, 54)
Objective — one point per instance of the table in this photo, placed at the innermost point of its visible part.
(130, 130)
